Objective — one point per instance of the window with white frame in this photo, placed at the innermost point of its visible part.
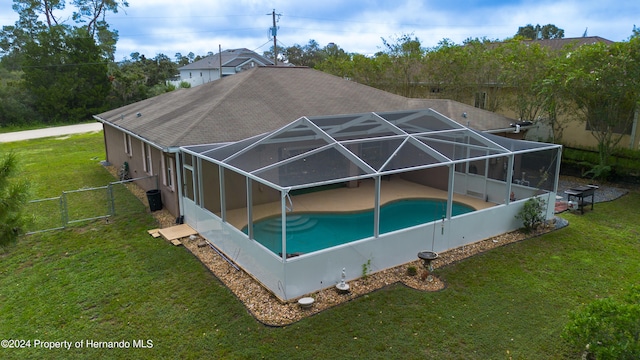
(127, 144)
(167, 171)
(146, 158)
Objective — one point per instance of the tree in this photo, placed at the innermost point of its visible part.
(66, 74)
(308, 55)
(548, 31)
(607, 328)
(128, 83)
(603, 81)
(13, 197)
(524, 69)
(87, 14)
(16, 103)
(406, 54)
(465, 72)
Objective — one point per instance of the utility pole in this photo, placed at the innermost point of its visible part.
(274, 33)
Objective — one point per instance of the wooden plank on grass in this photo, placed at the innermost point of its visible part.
(154, 232)
(177, 232)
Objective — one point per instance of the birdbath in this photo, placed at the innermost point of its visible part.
(342, 286)
(427, 257)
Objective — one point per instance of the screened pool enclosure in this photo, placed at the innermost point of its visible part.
(261, 201)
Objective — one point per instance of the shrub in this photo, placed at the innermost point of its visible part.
(606, 328)
(14, 193)
(532, 214)
(412, 271)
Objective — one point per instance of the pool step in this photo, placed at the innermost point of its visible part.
(294, 224)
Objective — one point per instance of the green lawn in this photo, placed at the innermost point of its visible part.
(113, 282)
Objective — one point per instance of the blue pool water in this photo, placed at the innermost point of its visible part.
(308, 232)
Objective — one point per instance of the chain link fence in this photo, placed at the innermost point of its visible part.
(76, 206)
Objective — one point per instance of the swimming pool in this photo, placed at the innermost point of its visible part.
(308, 232)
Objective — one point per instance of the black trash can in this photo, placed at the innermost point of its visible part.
(155, 200)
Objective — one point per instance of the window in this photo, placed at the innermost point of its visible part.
(127, 144)
(481, 100)
(146, 158)
(167, 171)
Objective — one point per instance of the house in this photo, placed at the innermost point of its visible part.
(271, 144)
(216, 66)
(148, 134)
(575, 133)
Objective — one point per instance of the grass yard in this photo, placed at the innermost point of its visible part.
(113, 282)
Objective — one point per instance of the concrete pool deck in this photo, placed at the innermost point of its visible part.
(352, 199)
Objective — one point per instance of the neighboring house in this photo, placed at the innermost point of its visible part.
(148, 134)
(213, 67)
(575, 133)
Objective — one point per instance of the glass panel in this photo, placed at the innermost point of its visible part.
(271, 153)
(211, 187)
(477, 167)
(188, 159)
(235, 196)
(188, 183)
(328, 123)
(421, 122)
(498, 168)
(514, 145)
(409, 156)
(326, 166)
(225, 151)
(375, 153)
(536, 169)
(268, 232)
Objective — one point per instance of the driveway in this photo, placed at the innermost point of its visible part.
(49, 132)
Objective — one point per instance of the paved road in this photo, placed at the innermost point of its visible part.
(48, 132)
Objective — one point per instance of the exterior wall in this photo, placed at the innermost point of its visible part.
(116, 155)
(198, 77)
(311, 272)
(437, 178)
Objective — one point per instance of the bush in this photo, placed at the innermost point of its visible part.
(606, 328)
(599, 172)
(412, 271)
(14, 193)
(532, 214)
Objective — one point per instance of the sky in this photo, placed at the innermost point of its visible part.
(153, 27)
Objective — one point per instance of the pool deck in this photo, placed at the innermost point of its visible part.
(352, 199)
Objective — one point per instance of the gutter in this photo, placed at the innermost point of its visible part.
(170, 149)
(514, 128)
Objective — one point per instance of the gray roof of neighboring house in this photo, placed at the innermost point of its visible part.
(264, 99)
(230, 58)
(559, 44)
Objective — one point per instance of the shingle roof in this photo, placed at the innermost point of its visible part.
(264, 99)
(559, 44)
(229, 59)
